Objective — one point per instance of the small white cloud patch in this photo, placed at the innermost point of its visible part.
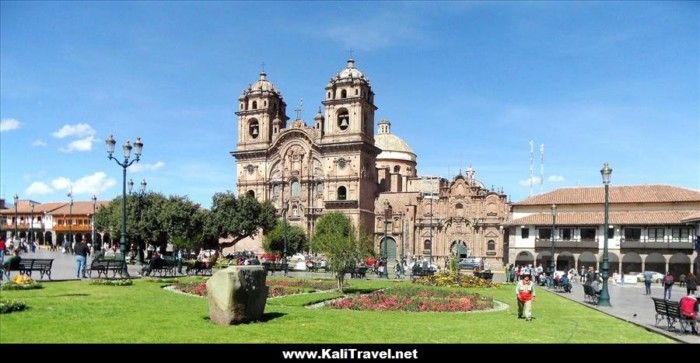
(8, 124)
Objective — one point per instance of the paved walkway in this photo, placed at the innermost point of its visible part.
(630, 304)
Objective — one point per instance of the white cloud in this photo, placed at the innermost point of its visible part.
(555, 178)
(39, 143)
(137, 168)
(93, 184)
(84, 134)
(61, 183)
(8, 124)
(38, 188)
(526, 182)
(90, 184)
(84, 144)
(77, 130)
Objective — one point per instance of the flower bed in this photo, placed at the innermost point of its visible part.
(415, 300)
(118, 282)
(278, 287)
(452, 280)
(21, 282)
(8, 306)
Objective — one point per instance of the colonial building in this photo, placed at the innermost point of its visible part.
(50, 223)
(339, 164)
(651, 227)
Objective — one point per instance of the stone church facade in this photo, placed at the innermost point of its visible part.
(338, 164)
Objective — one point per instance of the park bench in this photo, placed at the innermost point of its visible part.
(418, 271)
(271, 267)
(670, 310)
(26, 266)
(589, 294)
(104, 265)
(486, 275)
(357, 272)
(166, 266)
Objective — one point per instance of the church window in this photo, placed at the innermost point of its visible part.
(264, 103)
(491, 245)
(241, 105)
(254, 128)
(329, 95)
(357, 92)
(343, 94)
(255, 105)
(251, 193)
(296, 188)
(342, 193)
(459, 206)
(397, 168)
(343, 119)
(426, 244)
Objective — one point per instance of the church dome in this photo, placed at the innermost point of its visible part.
(348, 74)
(350, 71)
(262, 85)
(392, 146)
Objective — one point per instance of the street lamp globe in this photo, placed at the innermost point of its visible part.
(131, 185)
(143, 185)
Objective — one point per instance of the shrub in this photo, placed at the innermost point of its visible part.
(118, 282)
(21, 282)
(8, 306)
(454, 280)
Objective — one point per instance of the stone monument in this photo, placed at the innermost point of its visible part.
(237, 294)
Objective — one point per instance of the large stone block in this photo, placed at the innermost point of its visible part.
(237, 294)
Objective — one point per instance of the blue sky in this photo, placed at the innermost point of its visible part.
(594, 82)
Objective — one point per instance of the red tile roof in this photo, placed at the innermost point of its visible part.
(617, 194)
(695, 217)
(596, 218)
(25, 207)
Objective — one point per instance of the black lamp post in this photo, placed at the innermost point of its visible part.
(553, 264)
(95, 246)
(70, 220)
(285, 206)
(15, 237)
(31, 226)
(138, 147)
(604, 299)
(385, 253)
(143, 192)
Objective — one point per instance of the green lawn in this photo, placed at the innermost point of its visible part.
(77, 312)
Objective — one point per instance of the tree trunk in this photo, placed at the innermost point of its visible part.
(339, 278)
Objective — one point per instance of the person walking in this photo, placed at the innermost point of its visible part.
(81, 252)
(647, 282)
(691, 284)
(668, 284)
(525, 294)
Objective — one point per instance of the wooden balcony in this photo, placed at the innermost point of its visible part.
(545, 243)
(74, 228)
(678, 246)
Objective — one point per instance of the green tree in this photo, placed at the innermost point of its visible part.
(238, 218)
(296, 239)
(153, 218)
(336, 239)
